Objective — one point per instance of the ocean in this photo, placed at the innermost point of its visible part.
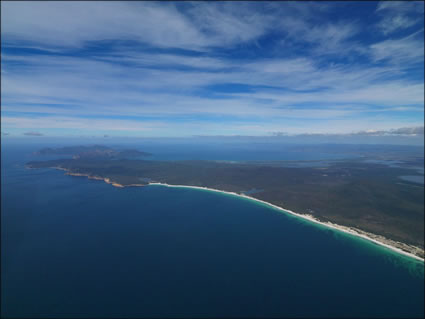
(74, 247)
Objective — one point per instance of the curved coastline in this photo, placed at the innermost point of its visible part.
(377, 239)
(310, 218)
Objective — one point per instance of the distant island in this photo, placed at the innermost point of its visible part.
(94, 151)
(368, 199)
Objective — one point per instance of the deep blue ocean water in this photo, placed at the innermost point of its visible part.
(419, 179)
(73, 247)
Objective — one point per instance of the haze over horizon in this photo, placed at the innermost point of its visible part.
(162, 69)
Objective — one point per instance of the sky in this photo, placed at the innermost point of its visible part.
(168, 69)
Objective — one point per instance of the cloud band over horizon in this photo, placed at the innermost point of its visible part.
(211, 68)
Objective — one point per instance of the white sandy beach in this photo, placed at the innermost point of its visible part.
(354, 232)
(377, 239)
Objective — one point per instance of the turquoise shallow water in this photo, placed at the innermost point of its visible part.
(73, 247)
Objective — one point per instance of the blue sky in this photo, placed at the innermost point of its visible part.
(167, 69)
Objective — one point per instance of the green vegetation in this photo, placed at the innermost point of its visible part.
(93, 151)
(367, 196)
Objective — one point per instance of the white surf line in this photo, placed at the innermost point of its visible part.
(310, 218)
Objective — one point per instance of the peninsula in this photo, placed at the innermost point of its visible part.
(365, 199)
(92, 151)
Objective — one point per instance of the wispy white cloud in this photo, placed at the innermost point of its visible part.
(228, 23)
(202, 25)
(398, 15)
(406, 50)
(308, 68)
(53, 23)
(90, 87)
(194, 25)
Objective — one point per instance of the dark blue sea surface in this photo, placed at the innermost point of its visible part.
(235, 152)
(74, 247)
(419, 179)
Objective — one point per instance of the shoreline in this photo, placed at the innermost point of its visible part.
(345, 229)
(98, 178)
(377, 239)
